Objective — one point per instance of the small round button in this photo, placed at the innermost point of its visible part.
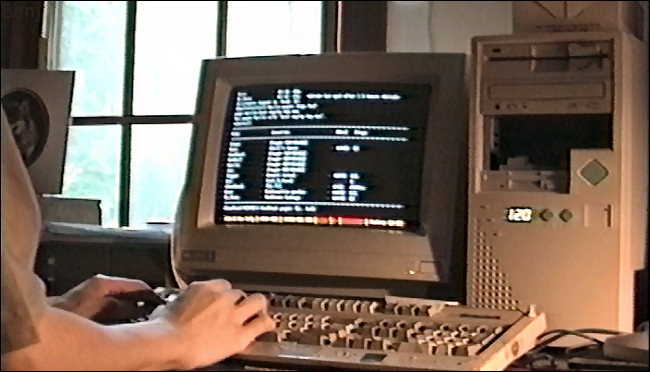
(545, 215)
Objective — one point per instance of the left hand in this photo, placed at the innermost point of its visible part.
(105, 298)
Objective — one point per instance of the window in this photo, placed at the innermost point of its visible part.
(137, 68)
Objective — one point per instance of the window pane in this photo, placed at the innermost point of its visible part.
(91, 167)
(158, 163)
(273, 27)
(90, 40)
(172, 38)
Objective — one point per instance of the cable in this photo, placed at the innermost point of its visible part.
(430, 25)
(539, 359)
(559, 333)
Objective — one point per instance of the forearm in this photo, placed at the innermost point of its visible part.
(71, 342)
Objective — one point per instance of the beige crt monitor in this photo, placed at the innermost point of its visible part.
(558, 175)
(341, 173)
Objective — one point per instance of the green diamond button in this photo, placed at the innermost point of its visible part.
(594, 172)
(546, 215)
(566, 215)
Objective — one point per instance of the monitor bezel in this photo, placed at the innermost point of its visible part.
(428, 257)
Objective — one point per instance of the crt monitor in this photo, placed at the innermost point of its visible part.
(344, 172)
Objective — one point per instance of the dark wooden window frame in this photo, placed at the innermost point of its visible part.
(348, 26)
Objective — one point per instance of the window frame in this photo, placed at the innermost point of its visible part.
(52, 16)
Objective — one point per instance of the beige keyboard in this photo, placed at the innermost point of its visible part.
(379, 334)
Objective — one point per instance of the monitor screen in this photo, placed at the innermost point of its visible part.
(330, 154)
(344, 172)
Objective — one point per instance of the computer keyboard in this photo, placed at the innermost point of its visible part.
(373, 325)
(390, 334)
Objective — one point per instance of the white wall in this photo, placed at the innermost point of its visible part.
(407, 26)
(444, 26)
(448, 26)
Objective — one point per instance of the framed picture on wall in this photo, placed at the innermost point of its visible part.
(36, 104)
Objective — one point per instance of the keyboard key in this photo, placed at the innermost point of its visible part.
(409, 347)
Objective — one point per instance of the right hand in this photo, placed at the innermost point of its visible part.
(214, 321)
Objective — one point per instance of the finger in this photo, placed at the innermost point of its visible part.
(219, 285)
(260, 324)
(250, 306)
(215, 285)
(234, 296)
(114, 285)
(201, 295)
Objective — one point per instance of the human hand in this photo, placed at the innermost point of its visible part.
(214, 321)
(105, 298)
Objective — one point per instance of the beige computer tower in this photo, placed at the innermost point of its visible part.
(558, 175)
